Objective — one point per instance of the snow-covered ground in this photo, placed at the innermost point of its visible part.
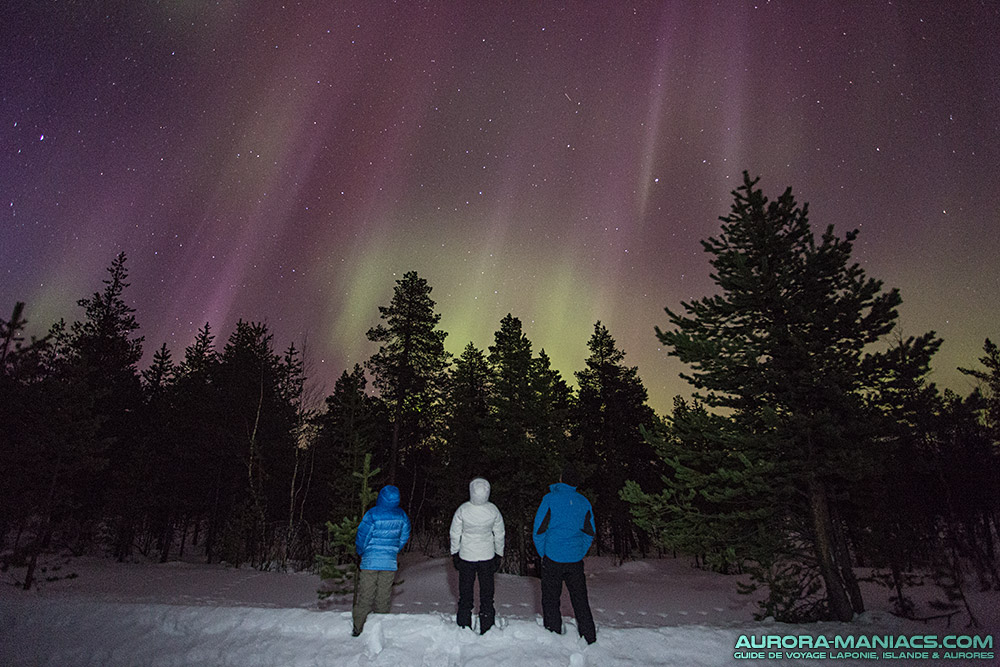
(654, 612)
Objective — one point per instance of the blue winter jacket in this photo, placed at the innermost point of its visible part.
(383, 531)
(564, 525)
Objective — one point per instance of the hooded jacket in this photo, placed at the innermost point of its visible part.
(564, 525)
(383, 531)
(477, 531)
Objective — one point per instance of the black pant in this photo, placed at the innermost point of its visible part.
(467, 573)
(553, 576)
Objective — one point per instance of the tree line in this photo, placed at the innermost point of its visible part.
(813, 442)
(222, 450)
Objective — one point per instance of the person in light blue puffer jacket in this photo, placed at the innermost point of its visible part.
(382, 533)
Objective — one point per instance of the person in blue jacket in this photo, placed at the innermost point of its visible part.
(563, 532)
(382, 533)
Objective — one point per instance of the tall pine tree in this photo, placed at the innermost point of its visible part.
(783, 347)
(519, 462)
(467, 426)
(610, 412)
(105, 353)
(409, 367)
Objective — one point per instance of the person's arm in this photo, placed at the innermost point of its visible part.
(404, 535)
(499, 534)
(364, 532)
(588, 525)
(455, 533)
(541, 525)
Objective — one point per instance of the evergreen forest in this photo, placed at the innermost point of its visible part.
(812, 449)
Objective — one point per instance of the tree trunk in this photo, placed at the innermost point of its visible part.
(394, 447)
(846, 565)
(836, 591)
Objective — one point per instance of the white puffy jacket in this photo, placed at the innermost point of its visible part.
(477, 531)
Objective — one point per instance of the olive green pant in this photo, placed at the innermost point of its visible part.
(374, 591)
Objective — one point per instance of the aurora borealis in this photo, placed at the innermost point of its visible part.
(288, 162)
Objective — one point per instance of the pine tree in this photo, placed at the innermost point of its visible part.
(409, 367)
(711, 490)
(60, 423)
(467, 426)
(159, 500)
(519, 463)
(610, 412)
(206, 490)
(553, 415)
(782, 346)
(105, 354)
(161, 373)
(260, 425)
(990, 379)
(339, 569)
(353, 425)
(27, 448)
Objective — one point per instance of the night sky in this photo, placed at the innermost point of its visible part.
(289, 162)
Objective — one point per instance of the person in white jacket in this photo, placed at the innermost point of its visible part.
(477, 540)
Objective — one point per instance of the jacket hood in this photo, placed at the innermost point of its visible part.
(388, 496)
(479, 491)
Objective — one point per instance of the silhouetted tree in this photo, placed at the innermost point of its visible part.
(610, 412)
(782, 346)
(207, 490)
(352, 425)
(409, 371)
(105, 354)
(260, 436)
(467, 427)
(520, 464)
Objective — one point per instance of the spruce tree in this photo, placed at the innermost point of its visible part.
(990, 381)
(105, 354)
(519, 462)
(160, 500)
(711, 493)
(467, 426)
(260, 432)
(553, 411)
(782, 345)
(409, 367)
(199, 421)
(352, 426)
(610, 412)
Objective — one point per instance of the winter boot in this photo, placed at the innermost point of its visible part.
(485, 623)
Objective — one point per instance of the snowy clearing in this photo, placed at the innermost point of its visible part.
(653, 612)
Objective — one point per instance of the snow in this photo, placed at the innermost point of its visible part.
(650, 612)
